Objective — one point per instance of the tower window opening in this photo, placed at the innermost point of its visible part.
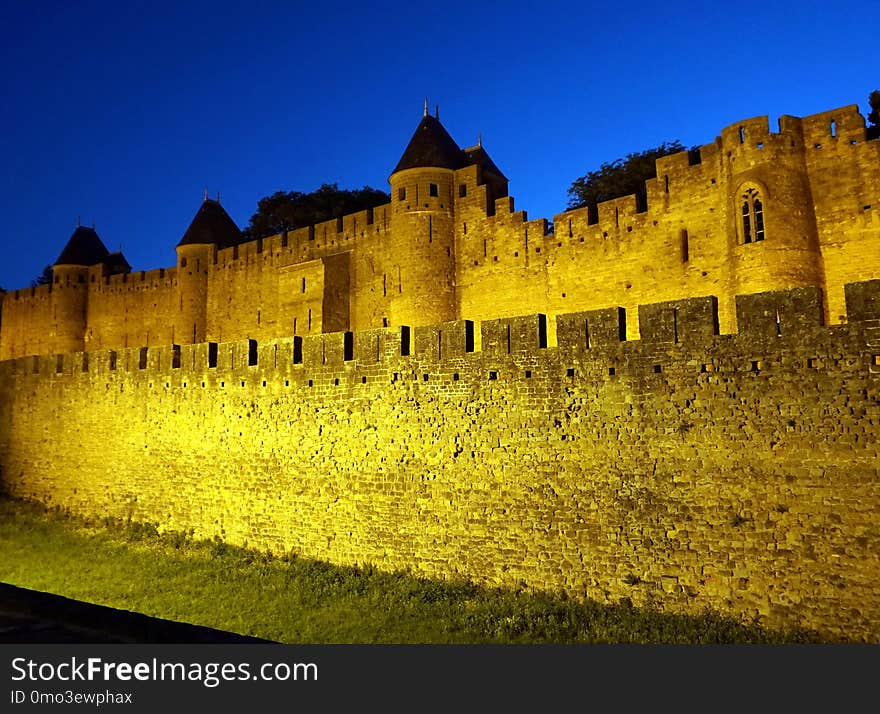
(685, 247)
(401, 193)
(742, 135)
(833, 128)
(303, 284)
(462, 190)
(752, 210)
(433, 189)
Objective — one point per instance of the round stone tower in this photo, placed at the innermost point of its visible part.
(211, 229)
(70, 289)
(774, 243)
(422, 256)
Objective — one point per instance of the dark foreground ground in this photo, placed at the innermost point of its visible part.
(32, 617)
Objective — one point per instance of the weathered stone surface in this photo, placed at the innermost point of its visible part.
(725, 472)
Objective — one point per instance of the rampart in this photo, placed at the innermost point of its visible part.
(455, 247)
(685, 470)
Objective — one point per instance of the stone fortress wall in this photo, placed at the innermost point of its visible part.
(688, 469)
(450, 245)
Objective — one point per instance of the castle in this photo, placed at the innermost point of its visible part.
(675, 404)
(753, 211)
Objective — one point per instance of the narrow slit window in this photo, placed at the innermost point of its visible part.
(759, 220)
(433, 189)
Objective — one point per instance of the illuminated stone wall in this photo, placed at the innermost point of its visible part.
(687, 469)
(466, 253)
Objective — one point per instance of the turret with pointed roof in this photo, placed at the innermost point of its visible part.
(431, 146)
(211, 230)
(84, 248)
(211, 225)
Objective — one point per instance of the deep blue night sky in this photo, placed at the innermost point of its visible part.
(122, 113)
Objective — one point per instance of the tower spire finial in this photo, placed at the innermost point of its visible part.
(77, 222)
(480, 139)
(426, 106)
(437, 112)
(206, 193)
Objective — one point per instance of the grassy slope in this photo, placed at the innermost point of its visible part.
(302, 601)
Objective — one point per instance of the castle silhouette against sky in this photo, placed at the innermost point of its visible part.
(750, 212)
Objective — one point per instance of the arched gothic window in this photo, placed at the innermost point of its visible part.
(752, 210)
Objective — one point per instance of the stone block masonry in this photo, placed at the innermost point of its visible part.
(685, 470)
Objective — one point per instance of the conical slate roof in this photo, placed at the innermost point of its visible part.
(83, 248)
(431, 146)
(477, 155)
(211, 225)
(116, 263)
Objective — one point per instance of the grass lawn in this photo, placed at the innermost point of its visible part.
(295, 600)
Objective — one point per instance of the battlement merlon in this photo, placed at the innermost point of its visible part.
(785, 313)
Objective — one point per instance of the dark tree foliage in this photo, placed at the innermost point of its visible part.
(287, 210)
(44, 278)
(874, 114)
(622, 177)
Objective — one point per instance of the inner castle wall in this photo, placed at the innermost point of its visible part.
(689, 469)
(466, 253)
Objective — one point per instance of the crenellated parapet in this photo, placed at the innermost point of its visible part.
(771, 323)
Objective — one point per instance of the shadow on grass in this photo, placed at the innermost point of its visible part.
(292, 599)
